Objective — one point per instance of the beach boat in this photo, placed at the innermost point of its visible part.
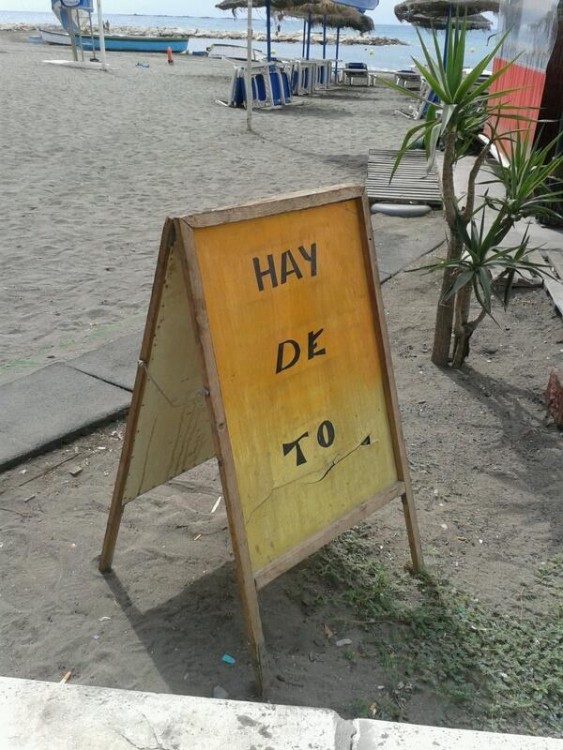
(119, 42)
(234, 52)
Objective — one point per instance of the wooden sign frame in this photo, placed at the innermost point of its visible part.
(178, 417)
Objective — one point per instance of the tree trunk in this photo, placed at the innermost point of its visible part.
(445, 311)
(444, 318)
(463, 328)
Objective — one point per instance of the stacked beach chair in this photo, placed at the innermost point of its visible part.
(308, 76)
(269, 82)
(273, 84)
(303, 77)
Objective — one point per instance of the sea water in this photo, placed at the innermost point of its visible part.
(389, 57)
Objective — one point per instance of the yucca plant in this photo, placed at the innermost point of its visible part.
(464, 108)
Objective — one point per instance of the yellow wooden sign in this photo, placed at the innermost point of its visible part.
(299, 367)
(271, 314)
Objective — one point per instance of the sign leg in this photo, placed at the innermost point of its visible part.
(412, 531)
(112, 530)
(261, 669)
(252, 621)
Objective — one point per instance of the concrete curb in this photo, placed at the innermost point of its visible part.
(46, 715)
(51, 406)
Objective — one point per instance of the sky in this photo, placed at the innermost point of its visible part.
(382, 15)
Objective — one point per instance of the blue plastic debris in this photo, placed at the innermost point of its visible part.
(228, 659)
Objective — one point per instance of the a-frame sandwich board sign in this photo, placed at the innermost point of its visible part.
(266, 346)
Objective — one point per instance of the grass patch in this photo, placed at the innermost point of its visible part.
(504, 669)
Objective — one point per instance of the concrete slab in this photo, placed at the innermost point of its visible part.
(114, 363)
(44, 716)
(555, 256)
(386, 735)
(400, 241)
(52, 405)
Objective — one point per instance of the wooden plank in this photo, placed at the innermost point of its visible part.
(401, 192)
(411, 182)
(243, 566)
(413, 160)
(402, 196)
(306, 548)
(406, 164)
(271, 206)
(401, 185)
(555, 258)
(391, 400)
(382, 152)
(401, 177)
(555, 291)
(554, 287)
(404, 167)
(398, 183)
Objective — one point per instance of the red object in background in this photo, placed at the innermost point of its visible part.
(527, 98)
(531, 30)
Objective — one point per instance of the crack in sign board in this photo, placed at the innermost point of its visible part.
(307, 478)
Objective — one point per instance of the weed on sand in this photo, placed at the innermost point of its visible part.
(498, 670)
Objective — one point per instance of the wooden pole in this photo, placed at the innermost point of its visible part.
(116, 508)
(101, 36)
(248, 71)
(336, 54)
(392, 403)
(268, 31)
(72, 38)
(243, 565)
(112, 530)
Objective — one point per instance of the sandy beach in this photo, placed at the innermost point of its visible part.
(92, 163)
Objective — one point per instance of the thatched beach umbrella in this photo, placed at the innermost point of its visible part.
(335, 16)
(338, 16)
(475, 22)
(438, 14)
(326, 13)
(413, 11)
